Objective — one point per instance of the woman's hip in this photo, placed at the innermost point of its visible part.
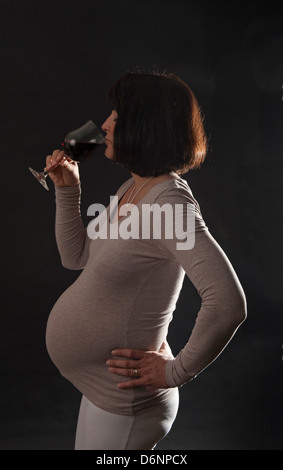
(101, 430)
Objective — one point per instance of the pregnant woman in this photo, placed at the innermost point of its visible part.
(107, 332)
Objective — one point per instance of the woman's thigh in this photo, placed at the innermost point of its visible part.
(152, 426)
(100, 430)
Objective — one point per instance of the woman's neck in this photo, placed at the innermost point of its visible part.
(140, 180)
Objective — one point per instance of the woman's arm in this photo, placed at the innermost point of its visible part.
(71, 236)
(223, 306)
(223, 309)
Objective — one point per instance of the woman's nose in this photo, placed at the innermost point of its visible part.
(105, 126)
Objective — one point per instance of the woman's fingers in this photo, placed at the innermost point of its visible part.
(124, 363)
(130, 353)
(137, 381)
(52, 161)
(150, 366)
(48, 160)
(125, 367)
(132, 383)
(121, 371)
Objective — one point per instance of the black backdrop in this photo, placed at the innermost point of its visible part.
(58, 58)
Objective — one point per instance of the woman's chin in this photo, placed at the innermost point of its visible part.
(108, 154)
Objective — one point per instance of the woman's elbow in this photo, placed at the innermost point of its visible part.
(72, 266)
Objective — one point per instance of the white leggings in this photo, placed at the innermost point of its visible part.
(100, 430)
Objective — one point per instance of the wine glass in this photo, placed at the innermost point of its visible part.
(79, 144)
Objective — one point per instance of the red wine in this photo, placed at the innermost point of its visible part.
(79, 151)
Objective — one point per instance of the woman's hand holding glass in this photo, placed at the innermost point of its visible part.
(79, 145)
(62, 170)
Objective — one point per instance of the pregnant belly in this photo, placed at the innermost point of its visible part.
(81, 330)
(96, 315)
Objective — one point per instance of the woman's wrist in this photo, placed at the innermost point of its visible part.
(64, 190)
(67, 185)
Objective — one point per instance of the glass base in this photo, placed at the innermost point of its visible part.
(41, 177)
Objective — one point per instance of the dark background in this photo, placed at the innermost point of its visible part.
(58, 58)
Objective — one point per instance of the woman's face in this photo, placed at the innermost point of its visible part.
(109, 126)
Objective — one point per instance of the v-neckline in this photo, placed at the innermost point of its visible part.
(130, 181)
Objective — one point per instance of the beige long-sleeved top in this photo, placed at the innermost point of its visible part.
(127, 292)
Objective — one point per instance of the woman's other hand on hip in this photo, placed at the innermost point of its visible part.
(145, 368)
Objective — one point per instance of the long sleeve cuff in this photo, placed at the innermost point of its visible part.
(175, 375)
(67, 195)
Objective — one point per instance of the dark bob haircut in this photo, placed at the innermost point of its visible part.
(159, 127)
